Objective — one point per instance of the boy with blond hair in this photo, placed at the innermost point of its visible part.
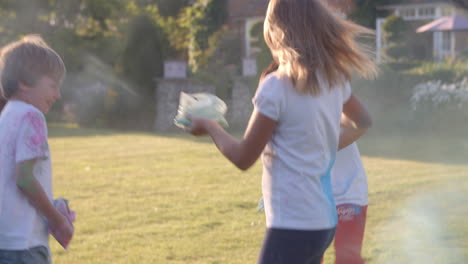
(31, 74)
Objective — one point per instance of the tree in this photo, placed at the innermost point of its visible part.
(143, 55)
(395, 33)
(264, 57)
(366, 11)
(395, 29)
(171, 8)
(401, 45)
(196, 32)
(131, 37)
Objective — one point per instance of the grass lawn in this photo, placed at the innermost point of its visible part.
(148, 198)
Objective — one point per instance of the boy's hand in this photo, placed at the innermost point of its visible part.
(62, 230)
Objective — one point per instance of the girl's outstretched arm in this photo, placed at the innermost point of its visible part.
(242, 153)
(355, 121)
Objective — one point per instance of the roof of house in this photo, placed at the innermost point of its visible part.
(448, 23)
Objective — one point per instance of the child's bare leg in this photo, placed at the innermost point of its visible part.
(350, 233)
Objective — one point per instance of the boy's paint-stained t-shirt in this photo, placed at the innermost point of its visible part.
(23, 136)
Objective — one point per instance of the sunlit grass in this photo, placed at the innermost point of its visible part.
(147, 198)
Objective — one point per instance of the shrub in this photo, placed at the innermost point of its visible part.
(397, 51)
(401, 66)
(402, 45)
(448, 72)
(395, 29)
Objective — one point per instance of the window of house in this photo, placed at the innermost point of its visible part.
(446, 11)
(408, 12)
(446, 41)
(426, 12)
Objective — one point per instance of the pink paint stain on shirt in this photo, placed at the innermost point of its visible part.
(37, 136)
(40, 135)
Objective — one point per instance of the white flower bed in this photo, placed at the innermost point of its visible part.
(439, 93)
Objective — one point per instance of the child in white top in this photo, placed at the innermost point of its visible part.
(349, 183)
(349, 180)
(296, 124)
(31, 76)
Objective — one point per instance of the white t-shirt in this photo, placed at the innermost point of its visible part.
(349, 179)
(23, 136)
(297, 160)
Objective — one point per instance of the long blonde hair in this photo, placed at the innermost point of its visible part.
(307, 39)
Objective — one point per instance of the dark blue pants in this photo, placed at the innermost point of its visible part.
(35, 255)
(284, 246)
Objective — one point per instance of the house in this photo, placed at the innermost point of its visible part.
(425, 11)
(243, 14)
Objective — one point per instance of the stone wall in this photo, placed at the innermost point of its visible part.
(168, 91)
(240, 106)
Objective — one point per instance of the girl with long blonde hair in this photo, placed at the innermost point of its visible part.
(304, 111)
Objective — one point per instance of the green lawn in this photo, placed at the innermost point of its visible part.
(147, 198)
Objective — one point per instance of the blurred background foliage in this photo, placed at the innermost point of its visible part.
(115, 50)
(131, 37)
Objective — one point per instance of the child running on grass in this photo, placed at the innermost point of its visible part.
(31, 76)
(296, 124)
(349, 183)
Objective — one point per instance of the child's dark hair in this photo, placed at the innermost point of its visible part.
(2, 103)
(269, 69)
(26, 61)
(2, 99)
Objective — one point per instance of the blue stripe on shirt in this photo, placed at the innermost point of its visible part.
(325, 181)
